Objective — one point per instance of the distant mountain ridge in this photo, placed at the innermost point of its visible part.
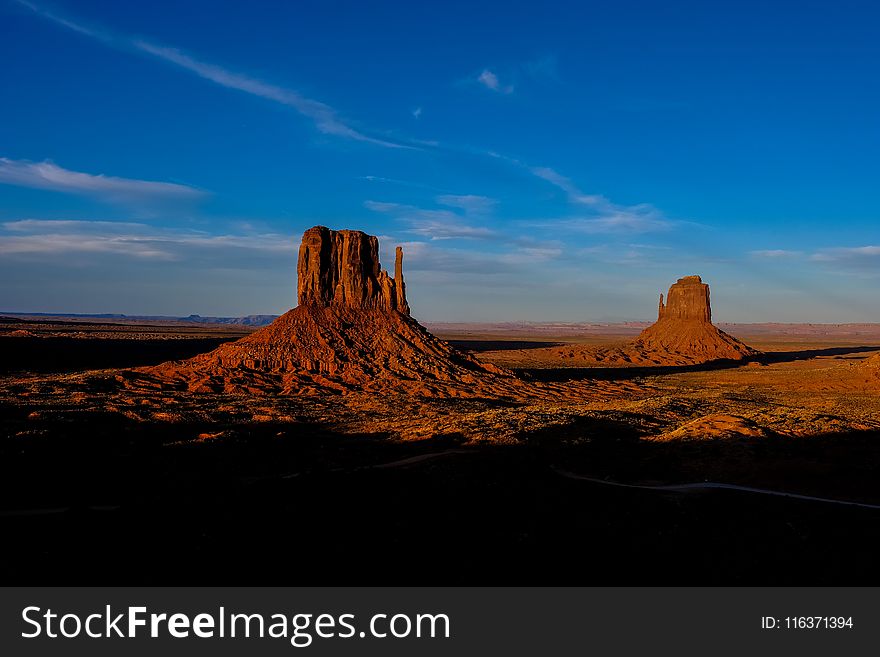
(246, 320)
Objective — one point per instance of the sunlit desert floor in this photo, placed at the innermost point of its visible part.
(518, 486)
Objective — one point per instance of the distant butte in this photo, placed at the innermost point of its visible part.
(352, 331)
(682, 335)
(684, 328)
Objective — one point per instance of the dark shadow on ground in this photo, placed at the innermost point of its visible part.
(287, 503)
(623, 373)
(806, 354)
(61, 354)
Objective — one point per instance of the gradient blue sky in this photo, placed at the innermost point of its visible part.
(538, 161)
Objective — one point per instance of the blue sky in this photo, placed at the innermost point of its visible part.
(538, 161)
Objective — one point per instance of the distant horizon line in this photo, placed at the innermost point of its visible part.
(547, 322)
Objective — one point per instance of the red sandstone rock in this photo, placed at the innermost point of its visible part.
(351, 332)
(399, 285)
(684, 329)
(682, 335)
(341, 268)
(688, 299)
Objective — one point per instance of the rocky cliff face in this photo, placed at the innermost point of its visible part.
(688, 299)
(341, 269)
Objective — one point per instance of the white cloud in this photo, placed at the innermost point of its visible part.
(489, 80)
(397, 181)
(631, 254)
(575, 195)
(75, 225)
(609, 217)
(441, 224)
(632, 219)
(71, 25)
(456, 264)
(530, 255)
(471, 204)
(775, 253)
(325, 117)
(847, 254)
(431, 224)
(35, 238)
(417, 112)
(863, 261)
(47, 175)
(510, 253)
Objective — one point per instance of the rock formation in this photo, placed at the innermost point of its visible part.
(341, 269)
(688, 299)
(350, 332)
(684, 333)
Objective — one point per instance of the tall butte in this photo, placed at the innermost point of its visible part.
(688, 300)
(341, 268)
(684, 331)
(352, 331)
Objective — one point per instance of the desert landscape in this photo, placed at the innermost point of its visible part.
(346, 442)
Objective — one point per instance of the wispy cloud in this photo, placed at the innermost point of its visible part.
(490, 80)
(630, 219)
(325, 118)
(36, 238)
(459, 265)
(847, 253)
(860, 260)
(532, 255)
(606, 217)
(417, 112)
(41, 226)
(470, 204)
(509, 253)
(433, 224)
(863, 261)
(575, 195)
(775, 254)
(403, 183)
(540, 69)
(48, 175)
(630, 254)
(61, 20)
